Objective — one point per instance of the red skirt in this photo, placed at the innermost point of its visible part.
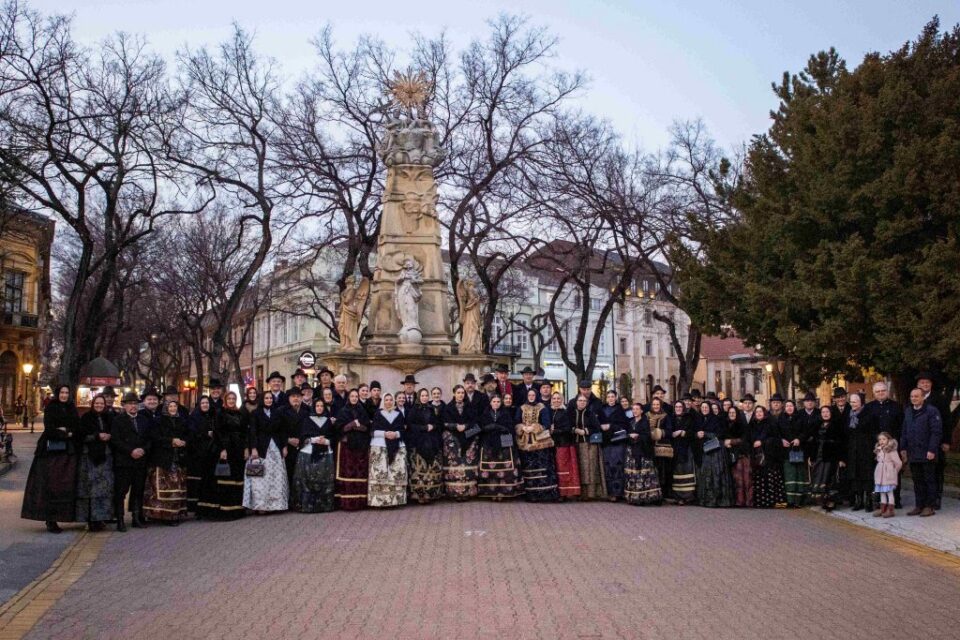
(568, 471)
(350, 488)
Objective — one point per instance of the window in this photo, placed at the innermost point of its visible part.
(646, 285)
(522, 340)
(621, 313)
(576, 300)
(13, 291)
(553, 347)
(596, 304)
(648, 347)
(623, 344)
(648, 317)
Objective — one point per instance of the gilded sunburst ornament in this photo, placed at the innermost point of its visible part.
(410, 89)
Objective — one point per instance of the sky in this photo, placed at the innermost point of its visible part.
(650, 62)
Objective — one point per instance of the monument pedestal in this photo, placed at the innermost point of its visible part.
(430, 370)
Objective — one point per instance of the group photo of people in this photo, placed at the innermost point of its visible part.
(327, 447)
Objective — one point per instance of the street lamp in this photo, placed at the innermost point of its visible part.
(27, 370)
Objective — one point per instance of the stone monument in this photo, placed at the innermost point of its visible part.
(408, 323)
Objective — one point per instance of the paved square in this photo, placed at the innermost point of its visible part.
(483, 570)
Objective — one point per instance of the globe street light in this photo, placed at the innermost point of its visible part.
(27, 370)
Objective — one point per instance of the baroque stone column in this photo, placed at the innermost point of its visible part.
(409, 229)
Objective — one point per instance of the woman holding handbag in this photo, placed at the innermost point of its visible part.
(796, 473)
(613, 426)
(586, 434)
(683, 436)
(714, 482)
(537, 460)
(265, 484)
(499, 460)
(225, 501)
(660, 430)
(767, 461)
(313, 479)
(353, 454)
(165, 498)
(461, 448)
(642, 486)
(51, 490)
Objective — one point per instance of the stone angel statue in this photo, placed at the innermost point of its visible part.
(353, 299)
(469, 303)
(407, 300)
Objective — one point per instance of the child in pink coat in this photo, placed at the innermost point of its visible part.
(886, 474)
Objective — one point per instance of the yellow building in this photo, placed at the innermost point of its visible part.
(25, 240)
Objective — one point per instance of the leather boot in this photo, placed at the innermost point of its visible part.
(857, 501)
(890, 512)
(121, 527)
(135, 520)
(868, 501)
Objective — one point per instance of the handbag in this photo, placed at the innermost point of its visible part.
(596, 438)
(472, 432)
(56, 445)
(506, 440)
(711, 445)
(222, 470)
(663, 450)
(254, 468)
(656, 434)
(796, 456)
(543, 436)
(619, 436)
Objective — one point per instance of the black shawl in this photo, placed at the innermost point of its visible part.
(380, 423)
(353, 426)
(92, 424)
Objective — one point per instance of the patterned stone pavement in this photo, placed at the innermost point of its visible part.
(482, 570)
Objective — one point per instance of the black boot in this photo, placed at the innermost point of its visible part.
(857, 501)
(868, 502)
(121, 527)
(53, 527)
(135, 520)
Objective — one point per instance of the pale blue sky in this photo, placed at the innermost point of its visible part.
(650, 61)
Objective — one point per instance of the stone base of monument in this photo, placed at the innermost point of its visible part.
(430, 371)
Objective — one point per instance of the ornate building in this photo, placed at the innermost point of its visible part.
(25, 240)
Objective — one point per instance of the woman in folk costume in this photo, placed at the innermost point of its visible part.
(660, 431)
(222, 499)
(461, 448)
(642, 486)
(796, 473)
(613, 425)
(201, 456)
(586, 434)
(714, 480)
(737, 444)
(314, 477)
(684, 467)
(768, 491)
(353, 454)
(537, 458)
(165, 498)
(95, 473)
(424, 444)
(269, 492)
(387, 480)
(499, 460)
(561, 427)
(827, 453)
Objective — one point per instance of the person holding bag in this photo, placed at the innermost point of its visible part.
(587, 436)
(642, 486)
(683, 423)
(201, 456)
(613, 426)
(165, 498)
(537, 460)
(659, 421)
(265, 483)
(424, 444)
(767, 461)
(714, 482)
(796, 473)
(499, 460)
(225, 500)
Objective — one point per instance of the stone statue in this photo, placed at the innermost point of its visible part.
(352, 301)
(407, 300)
(469, 302)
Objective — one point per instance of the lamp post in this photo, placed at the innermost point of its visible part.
(27, 370)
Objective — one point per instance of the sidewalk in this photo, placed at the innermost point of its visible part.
(940, 532)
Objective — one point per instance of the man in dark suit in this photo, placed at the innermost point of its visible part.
(129, 432)
(504, 386)
(299, 378)
(925, 383)
(520, 390)
(292, 416)
(473, 398)
(216, 395)
(275, 388)
(886, 415)
(409, 390)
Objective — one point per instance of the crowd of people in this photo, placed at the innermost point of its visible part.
(317, 449)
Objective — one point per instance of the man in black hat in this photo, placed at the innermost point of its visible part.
(747, 405)
(544, 391)
(129, 439)
(299, 378)
(658, 392)
(489, 385)
(376, 393)
(325, 381)
(110, 396)
(939, 402)
(292, 416)
(472, 398)
(150, 398)
(776, 406)
(809, 415)
(306, 393)
(170, 394)
(585, 389)
(409, 389)
(841, 408)
(275, 388)
(216, 395)
(504, 386)
(520, 390)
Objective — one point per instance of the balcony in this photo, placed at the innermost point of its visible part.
(23, 320)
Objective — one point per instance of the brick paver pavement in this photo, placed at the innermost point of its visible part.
(482, 570)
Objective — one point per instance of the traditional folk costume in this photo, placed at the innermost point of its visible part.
(828, 450)
(499, 458)
(387, 479)
(796, 472)
(684, 467)
(460, 453)
(424, 440)
(768, 491)
(270, 491)
(95, 473)
(222, 496)
(660, 435)
(201, 454)
(589, 456)
(642, 486)
(614, 448)
(537, 458)
(51, 491)
(714, 479)
(165, 494)
(314, 477)
(353, 457)
(740, 447)
(568, 470)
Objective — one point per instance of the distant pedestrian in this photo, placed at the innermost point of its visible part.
(886, 475)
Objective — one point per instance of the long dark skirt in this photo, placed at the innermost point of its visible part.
(714, 481)
(664, 467)
(743, 481)
(860, 463)
(823, 482)
(768, 486)
(426, 478)
(568, 471)
(499, 473)
(353, 469)
(539, 475)
(796, 481)
(51, 491)
(165, 495)
(222, 498)
(684, 475)
(642, 485)
(614, 456)
(314, 482)
(95, 489)
(200, 463)
(590, 460)
(459, 467)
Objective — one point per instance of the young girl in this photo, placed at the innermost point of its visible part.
(886, 473)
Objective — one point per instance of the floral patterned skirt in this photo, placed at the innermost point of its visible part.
(426, 478)
(568, 471)
(539, 475)
(642, 485)
(592, 485)
(353, 469)
(768, 487)
(459, 468)
(271, 491)
(165, 495)
(313, 482)
(95, 489)
(499, 473)
(387, 483)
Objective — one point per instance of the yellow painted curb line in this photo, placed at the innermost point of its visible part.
(19, 614)
(918, 550)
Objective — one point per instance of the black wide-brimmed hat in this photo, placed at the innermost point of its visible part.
(150, 391)
(305, 386)
(215, 383)
(129, 397)
(776, 398)
(839, 392)
(299, 372)
(527, 370)
(469, 378)
(325, 370)
(502, 368)
(659, 388)
(375, 384)
(923, 375)
(810, 396)
(748, 398)
(585, 384)
(275, 375)
(409, 379)
(109, 391)
(487, 377)
(170, 390)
